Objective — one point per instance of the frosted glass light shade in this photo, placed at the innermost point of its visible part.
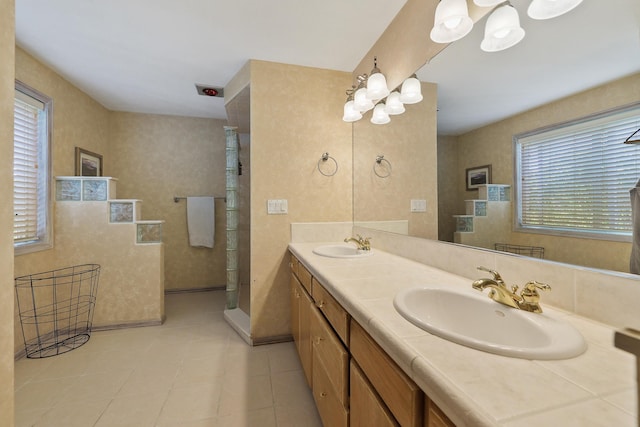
(380, 116)
(502, 29)
(411, 92)
(350, 113)
(547, 9)
(377, 86)
(393, 104)
(360, 100)
(451, 21)
(487, 3)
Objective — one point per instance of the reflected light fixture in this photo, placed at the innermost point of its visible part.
(411, 91)
(360, 100)
(350, 112)
(380, 116)
(502, 30)
(487, 3)
(393, 105)
(547, 9)
(451, 22)
(633, 141)
(377, 83)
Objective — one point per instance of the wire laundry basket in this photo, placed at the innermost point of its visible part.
(56, 309)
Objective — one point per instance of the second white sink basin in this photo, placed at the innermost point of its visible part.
(483, 324)
(341, 251)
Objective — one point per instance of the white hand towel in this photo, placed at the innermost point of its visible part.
(201, 221)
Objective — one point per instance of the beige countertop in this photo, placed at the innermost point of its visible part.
(475, 388)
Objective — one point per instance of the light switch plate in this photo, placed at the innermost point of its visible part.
(418, 205)
(277, 207)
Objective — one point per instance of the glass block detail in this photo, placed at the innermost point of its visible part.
(480, 208)
(496, 193)
(121, 212)
(493, 194)
(94, 190)
(149, 233)
(68, 189)
(464, 223)
(505, 194)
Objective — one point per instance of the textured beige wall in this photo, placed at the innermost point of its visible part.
(158, 157)
(409, 144)
(7, 67)
(493, 145)
(296, 115)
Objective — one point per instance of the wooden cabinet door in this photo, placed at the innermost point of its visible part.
(305, 348)
(435, 417)
(366, 408)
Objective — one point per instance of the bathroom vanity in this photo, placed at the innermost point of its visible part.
(367, 365)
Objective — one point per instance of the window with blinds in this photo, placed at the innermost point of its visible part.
(574, 179)
(32, 124)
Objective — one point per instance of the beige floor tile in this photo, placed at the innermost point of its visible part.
(291, 389)
(41, 394)
(283, 357)
(297, 416)
(243, 395)
(192, 403)
(101, 385)
(261, 417)
(73, 414)
(150, 379)
(133, 411)
(246, 363)
(28, 418)
(201, 371)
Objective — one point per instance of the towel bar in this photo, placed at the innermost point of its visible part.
(176, 199)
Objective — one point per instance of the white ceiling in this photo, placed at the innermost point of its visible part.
(147, 55)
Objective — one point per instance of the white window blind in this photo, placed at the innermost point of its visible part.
(30, 168)
(575, 179)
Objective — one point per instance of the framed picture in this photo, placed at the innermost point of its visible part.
(88, 163)
(478, 176)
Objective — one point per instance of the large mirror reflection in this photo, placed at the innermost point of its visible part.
(574, 66)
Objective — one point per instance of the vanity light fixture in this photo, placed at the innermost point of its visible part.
(633, 141)
(376, 83)
(502, 30)
(547, 9)
(351, 114)
(451, 22)
(411, 91)
(380, 116)
(393, 105)
(360, 100)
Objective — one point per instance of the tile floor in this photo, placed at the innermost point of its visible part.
(194, 370)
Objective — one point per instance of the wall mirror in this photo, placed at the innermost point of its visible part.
(594, 44)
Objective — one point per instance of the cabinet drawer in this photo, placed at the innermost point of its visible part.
(366, 409)
(403, 397)
(305, 277)
(329, 354)
(337, 316)
(293, 264)
(435, 417)
(331, 410)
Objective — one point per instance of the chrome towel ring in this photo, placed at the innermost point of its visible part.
(382, 167)
(323, 161)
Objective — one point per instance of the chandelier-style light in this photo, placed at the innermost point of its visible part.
(547, 9)
(452, 21)
(377, 83)
(502, 29)
(387, 103)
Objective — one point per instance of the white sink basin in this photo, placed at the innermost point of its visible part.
(341, 251)
(486, 325)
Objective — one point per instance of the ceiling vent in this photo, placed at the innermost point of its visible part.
(205, 90)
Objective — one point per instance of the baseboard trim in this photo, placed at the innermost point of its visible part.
(272, 340)
(190, 290)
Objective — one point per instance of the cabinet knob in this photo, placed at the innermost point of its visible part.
(323, 394)
(320, 304)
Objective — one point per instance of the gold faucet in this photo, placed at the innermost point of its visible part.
(363, 243)
(528, 300)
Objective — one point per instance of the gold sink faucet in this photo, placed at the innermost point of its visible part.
(528, 300)
(363, 243)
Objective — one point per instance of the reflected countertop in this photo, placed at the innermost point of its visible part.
(475, 388)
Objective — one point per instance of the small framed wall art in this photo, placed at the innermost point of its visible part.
(88, 163)
(480, 175)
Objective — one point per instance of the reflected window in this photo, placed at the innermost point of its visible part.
(574, 179)
(31, 170)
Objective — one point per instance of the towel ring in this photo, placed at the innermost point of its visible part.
(326, 157)
(379, 163)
